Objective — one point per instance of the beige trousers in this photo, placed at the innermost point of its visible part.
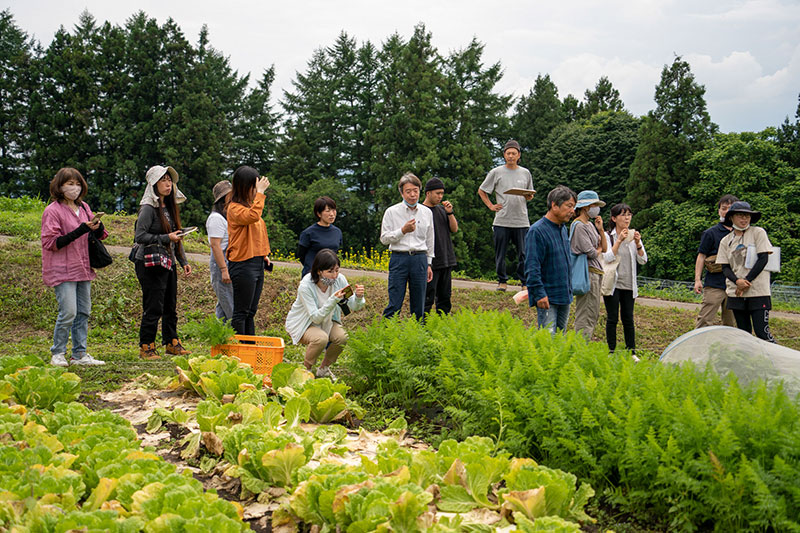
(714, 299)
(587, 307)
(316, 340)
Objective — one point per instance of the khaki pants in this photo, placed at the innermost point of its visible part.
(587, 307)
(713, 299)
(316, 340)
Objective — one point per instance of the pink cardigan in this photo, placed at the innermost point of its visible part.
(70, 263)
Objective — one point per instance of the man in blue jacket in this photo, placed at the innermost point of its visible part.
(548, 270)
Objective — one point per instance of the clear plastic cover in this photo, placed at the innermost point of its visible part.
(734, 350)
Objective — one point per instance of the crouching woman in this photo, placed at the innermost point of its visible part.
(315, 318)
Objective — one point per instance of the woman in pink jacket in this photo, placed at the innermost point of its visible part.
(66, 221)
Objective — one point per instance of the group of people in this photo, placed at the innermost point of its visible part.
(419, 236)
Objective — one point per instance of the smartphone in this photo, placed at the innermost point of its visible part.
(348, 291)
(187, 231)
(97, 216)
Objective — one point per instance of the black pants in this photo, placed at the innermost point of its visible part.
(620, 304)
(439, 291)
(755, 320)
(503, 236)
(247, 278)
(159, 301)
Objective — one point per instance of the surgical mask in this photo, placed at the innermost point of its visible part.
(328, 282)
(594, 211)
(71, 192)
(741, 229)
(412, 206)
(722, 219)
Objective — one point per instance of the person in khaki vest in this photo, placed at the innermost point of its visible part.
(713, 290)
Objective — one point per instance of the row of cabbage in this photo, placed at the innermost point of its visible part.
(64, 467)
(310, 477)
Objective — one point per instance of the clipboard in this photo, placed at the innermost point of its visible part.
(520, 192)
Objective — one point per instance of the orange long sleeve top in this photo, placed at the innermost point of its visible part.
(247, 233)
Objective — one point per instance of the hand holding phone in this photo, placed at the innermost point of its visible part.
(347, 292)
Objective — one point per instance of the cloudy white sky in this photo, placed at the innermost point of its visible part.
(746, 53)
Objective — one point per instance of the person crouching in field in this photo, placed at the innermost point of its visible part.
(315, 318)
(159, 248)
(743, 254)
(587, 237)
(66, 222)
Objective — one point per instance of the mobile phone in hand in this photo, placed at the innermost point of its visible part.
(348, 291)
(97, 216)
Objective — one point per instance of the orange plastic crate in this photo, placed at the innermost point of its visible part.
(262, 355)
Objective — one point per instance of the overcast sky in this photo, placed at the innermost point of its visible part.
(746, 53)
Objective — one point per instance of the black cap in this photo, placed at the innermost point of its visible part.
(434, 184)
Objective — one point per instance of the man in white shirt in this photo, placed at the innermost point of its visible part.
(408, 231)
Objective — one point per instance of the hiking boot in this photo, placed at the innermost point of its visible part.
(176, 348)
(148, 352)
(502, 287)
(58, 359)
(87, 360)
(325, 372)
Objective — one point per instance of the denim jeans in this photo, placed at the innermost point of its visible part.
(247, 278)
(74, 307)
(411, 269)
(554, 318)
(224, 292)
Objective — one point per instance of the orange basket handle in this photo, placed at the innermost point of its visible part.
(247, 337)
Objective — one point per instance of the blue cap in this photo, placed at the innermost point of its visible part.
(588, 198)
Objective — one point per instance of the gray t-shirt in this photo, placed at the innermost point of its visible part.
(624, 272)
(515, 209)
(586, 240)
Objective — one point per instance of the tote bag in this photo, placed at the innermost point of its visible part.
(581, 284)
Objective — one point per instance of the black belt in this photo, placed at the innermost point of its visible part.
(410, 252)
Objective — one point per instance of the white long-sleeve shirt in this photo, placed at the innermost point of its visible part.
(419, 240)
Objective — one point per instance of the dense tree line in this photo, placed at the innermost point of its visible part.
(114, 100)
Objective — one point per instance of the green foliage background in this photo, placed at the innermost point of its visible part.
(114, 100)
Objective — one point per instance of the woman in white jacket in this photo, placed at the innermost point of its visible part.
(620, 290)
(315, 318)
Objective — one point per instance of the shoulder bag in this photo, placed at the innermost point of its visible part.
(98, 255)
(581, 284)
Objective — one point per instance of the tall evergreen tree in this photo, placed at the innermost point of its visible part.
(670, 134)
(604, 97)
(17, 57)
(789, 137)
(537, 114)
(573, 108)
(255, 130)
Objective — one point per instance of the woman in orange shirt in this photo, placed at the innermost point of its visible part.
(248, 246)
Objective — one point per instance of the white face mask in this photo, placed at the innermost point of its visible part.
(741, 229)
(71, 192)
(722, 219)
(594, 211)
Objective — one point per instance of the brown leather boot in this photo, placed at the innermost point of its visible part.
(148, 352)
(176, 348)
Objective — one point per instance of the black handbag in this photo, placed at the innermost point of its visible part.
(98, 255)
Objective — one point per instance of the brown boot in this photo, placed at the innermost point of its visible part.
(176, 348)
(148, 352)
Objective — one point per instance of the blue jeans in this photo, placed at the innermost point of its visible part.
(554, 318)
(224, 292)
(411, 269)
(74, 307)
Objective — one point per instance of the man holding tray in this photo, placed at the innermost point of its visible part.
(513, 187)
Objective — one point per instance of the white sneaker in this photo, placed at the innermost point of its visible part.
(635, 359)
(58, 359)
(88, 360)
(325, 372)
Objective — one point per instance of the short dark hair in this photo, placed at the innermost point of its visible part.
(321, 203)
(62, 176)
(559, 195)
(726, 199)
(325, 259)
(244, 179)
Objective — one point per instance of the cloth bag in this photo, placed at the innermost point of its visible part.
(156, 255)
(581, 284)
(609, 273)
(98, 255)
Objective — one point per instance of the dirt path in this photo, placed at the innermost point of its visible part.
(457, 283)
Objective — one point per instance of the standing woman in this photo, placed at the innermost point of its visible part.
(66, 221)
(747, 287)
(622, 290)
(217, 230)
(248, 246)
(315, 318)
(320, 235)
(158, 231)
